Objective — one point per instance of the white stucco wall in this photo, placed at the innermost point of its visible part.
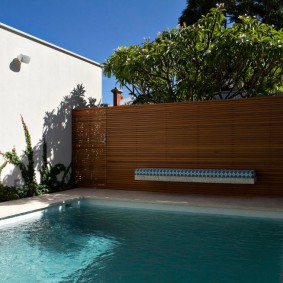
(37, 88)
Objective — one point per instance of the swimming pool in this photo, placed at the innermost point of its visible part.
(101, 241)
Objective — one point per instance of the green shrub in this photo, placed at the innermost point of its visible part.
(10, 193)
(49, 174)
(27, 171)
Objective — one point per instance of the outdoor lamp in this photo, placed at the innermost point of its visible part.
(23, 58)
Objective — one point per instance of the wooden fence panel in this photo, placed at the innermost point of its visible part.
(89, 147)
(227, 134)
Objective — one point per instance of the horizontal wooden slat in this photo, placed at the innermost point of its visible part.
(110, 143)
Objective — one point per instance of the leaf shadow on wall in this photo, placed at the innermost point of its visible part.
(57, 127)
(57, 131)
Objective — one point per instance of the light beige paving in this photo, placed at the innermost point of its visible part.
(263, 204)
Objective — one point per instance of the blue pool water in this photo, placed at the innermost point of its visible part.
(93, 242)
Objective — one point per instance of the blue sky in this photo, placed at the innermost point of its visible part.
(92, 28)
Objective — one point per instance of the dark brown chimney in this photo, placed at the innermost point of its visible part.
(117, 96)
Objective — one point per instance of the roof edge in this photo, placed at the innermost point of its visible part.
(50, 45)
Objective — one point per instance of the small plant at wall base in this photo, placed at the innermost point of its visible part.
(9, 193)
(48, 183)
(27, 171)
(49, 174)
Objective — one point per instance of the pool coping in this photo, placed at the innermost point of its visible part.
(231, 205)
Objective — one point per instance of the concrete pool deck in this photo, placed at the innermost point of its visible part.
(266, 206)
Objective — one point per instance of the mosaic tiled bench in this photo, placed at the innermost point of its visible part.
(196, 175)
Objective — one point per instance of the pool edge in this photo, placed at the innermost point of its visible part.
(264, 206)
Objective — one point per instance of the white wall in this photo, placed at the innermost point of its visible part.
(37, 88)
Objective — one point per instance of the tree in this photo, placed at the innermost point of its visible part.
(194, 10)
(201, 61)
(267, 11)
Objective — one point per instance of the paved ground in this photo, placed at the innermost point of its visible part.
(262, 204)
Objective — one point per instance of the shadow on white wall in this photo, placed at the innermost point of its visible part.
(57, 131)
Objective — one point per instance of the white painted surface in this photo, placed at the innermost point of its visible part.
(39, 87)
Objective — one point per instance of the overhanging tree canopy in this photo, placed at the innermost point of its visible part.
(202, 61)
(267, 11)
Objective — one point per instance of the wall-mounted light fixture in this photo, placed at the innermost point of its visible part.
(23, 58)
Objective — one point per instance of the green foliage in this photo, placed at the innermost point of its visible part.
(8, 193)
(1, 169)
(195, 9)
(49, 174)
(201, 61)
(27, 171)
(267, 11)
(11, 193)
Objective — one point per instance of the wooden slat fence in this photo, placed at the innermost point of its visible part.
(110, 143)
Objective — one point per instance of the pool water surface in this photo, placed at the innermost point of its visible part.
(92, 241)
